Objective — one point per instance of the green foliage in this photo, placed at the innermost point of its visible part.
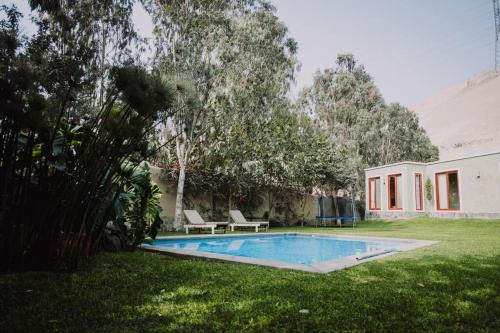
(400, 137)
(284, 153)
(241, 62)
(61, 159)
(451, 286)
(79, 118)
(146, 94)
(91, 37)
(136, 205)
(360, 126)
(428, 189)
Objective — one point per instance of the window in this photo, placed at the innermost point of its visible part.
(447, 194)
(418, 192)
(395, 191)
(374, 193)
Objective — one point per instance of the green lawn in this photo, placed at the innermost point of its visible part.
(453, 286)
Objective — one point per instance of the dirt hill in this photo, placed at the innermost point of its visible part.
(464, 120)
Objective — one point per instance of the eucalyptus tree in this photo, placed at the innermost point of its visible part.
(294, 157)
(401, 137)
(91, 36)
(347, 105)
(185, 126)
(341, 100)
(187, 38)
(284, 155)
(241, 62)
(259, 63)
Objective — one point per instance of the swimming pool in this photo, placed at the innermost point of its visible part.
(306, 252)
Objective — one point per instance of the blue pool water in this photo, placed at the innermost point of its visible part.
(290, 248)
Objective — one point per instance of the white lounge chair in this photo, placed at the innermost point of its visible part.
(241, 221)
(196, 222)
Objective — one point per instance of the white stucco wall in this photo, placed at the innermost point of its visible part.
(478, 180)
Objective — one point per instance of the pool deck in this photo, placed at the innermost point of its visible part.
(320, 267)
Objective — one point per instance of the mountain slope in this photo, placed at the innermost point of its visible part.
(464, 120)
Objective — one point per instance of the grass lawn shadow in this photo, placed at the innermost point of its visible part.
(452, 286)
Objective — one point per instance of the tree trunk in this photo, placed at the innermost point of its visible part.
(103, 64)
(179, 198)
(183, 150)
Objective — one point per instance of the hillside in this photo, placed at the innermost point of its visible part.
(464, 120)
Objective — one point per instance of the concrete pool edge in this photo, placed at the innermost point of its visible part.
(321, 267)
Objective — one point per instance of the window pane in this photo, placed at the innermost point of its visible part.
(392, 192)
(374, 184)
(372, 193)
(442, 191)
(418, 192)
(453, 188)
(399, 191)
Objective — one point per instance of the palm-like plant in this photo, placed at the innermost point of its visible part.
(60, 172)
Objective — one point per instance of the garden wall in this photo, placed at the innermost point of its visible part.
(287, 210)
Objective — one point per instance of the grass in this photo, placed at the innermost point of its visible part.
(453, 286)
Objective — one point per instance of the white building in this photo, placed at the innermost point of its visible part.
(464, 187)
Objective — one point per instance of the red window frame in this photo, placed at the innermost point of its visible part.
(377, 204)
(421, 194)
(397, 207)
(447, 190)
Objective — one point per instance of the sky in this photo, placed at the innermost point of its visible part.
(412, 48)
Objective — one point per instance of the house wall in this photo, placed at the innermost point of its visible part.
(478, 179)
(479, 185)
(407, 171)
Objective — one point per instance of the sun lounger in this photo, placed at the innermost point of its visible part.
(196, 222)
(241, 221)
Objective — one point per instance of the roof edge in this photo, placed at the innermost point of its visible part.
(431, 163)
(394, 164)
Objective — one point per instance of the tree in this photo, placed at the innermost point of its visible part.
(294, 156)
(401, 138)
(93, 36)
(347, 105)
(187, 42)
(60, 165)
(186, 127)
(240, 60)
